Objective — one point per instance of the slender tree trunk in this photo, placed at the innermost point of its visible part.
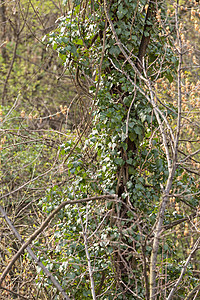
(3, 35)
(9, 71)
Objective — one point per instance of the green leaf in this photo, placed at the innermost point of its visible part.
(169, 77)
(132, 136)
(119, 161)
(146, 33)
(138, 130)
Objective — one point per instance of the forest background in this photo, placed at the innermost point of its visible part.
(99, 149)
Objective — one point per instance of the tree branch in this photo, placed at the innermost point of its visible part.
(191, 294)
(44, 225)
(151, 12)
(88, 254)
(31, 253)
(184, 269)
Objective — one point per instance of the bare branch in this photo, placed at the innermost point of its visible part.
(34, 257)
(191, 294)
(195, 247)
(88, 254)
(44, 225)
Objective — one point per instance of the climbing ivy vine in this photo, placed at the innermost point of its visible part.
(118, 53)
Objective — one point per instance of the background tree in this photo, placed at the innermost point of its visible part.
(118, 193)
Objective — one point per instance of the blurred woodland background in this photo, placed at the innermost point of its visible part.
(99, 149)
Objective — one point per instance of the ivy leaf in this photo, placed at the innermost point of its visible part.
(132, 136)
(119, 161)
(146, 33)
(138, 130)
(169, 77)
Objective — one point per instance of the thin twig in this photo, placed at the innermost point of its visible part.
(191, 294)
(14, 293)
(184, 269)
(88, 254)
(45, 224)
(34, 257)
